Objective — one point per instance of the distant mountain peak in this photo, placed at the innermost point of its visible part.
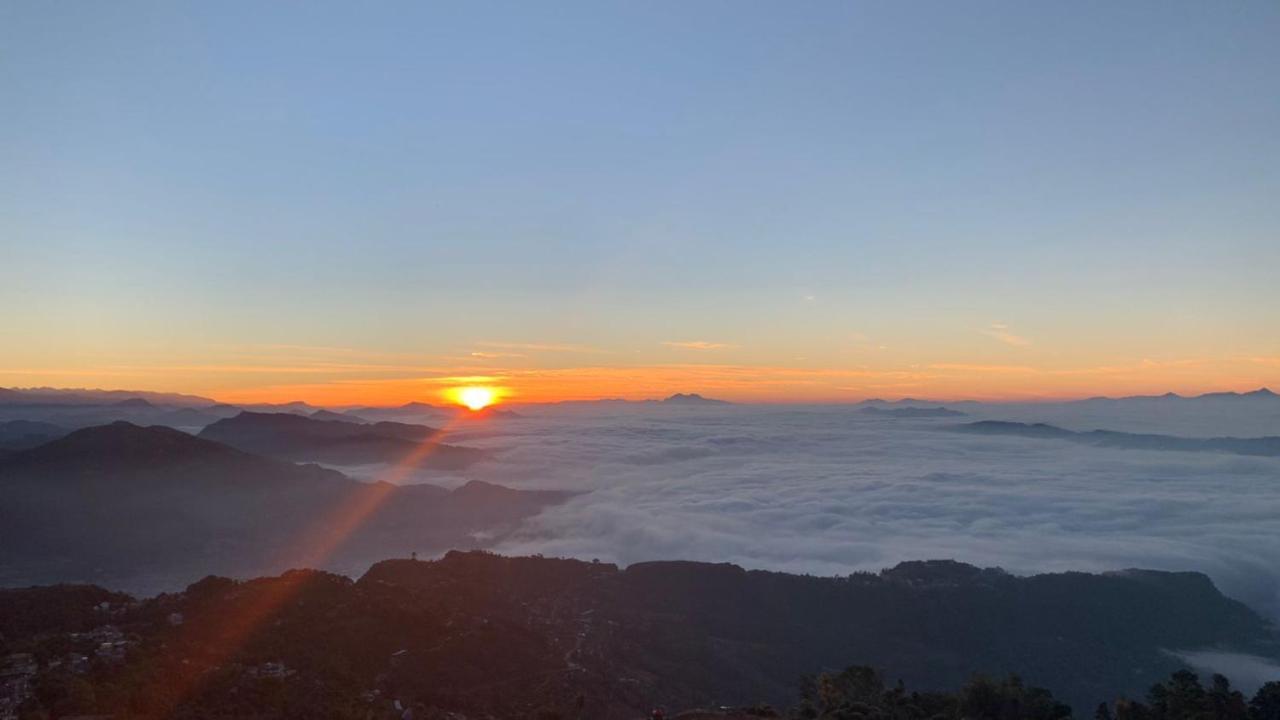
(331, 416)
(125, 442)
(911, 412)
(1261, 393)
(692, 399)
(134, 402)
(416, 405)
(941, 572)
(480, 488)
(88, 396)
(299, 438)
(123, 431)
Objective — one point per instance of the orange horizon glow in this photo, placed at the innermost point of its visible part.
(391, 385)
(769, 386)
(394, 396)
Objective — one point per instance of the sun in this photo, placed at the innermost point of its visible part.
(476, 398)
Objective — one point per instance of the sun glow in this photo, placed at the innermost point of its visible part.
(476, 398)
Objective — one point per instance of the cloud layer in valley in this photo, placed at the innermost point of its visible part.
(832, 490)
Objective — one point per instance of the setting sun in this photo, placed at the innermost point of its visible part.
(476, 398)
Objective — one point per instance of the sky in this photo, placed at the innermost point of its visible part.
(775, 202)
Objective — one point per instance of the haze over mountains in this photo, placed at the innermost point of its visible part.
(79, 408)
(338, 441)
(912, 412)
(23, 434)
(142, 507)
(88, 396)
(822, 489)
(1260, 446)
(132, 504)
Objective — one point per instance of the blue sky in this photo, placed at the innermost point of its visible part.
(828, 186)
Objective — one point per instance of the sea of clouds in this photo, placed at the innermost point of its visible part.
(830, 490)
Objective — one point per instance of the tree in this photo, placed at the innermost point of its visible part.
(1131, 710)
(1180, 698)
(984, 699)
(858, 684)
(1265, 704)
(1225, 703)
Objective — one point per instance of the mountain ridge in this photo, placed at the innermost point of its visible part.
(1265, 446)
(341, 442)
(146, 505)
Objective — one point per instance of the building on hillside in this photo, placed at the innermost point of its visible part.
(16, 673)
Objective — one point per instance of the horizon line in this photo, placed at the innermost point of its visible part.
(440, 402)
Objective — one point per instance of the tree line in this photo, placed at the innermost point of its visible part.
(860, 693)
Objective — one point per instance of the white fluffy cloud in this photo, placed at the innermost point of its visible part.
(830, 490)
(1247, 672)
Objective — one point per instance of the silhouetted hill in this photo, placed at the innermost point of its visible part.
(87, 396)
(692, 399)
(1259, 394)
(123, 444)
(1261, 446)
(909, 402)
(145, 507)
(181, 418)
(296, 407)
(337, 417)
(492, 636)
(69, 410)
(1171, 398)
(136, 402)
(298, 438)
(718, 633)
(24, 434)
(29, 612)
(410, 411)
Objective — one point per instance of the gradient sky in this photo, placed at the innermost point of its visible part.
(769, 201)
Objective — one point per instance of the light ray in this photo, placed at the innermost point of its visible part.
(313, 549)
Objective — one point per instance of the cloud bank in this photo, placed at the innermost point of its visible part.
(830, 491)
